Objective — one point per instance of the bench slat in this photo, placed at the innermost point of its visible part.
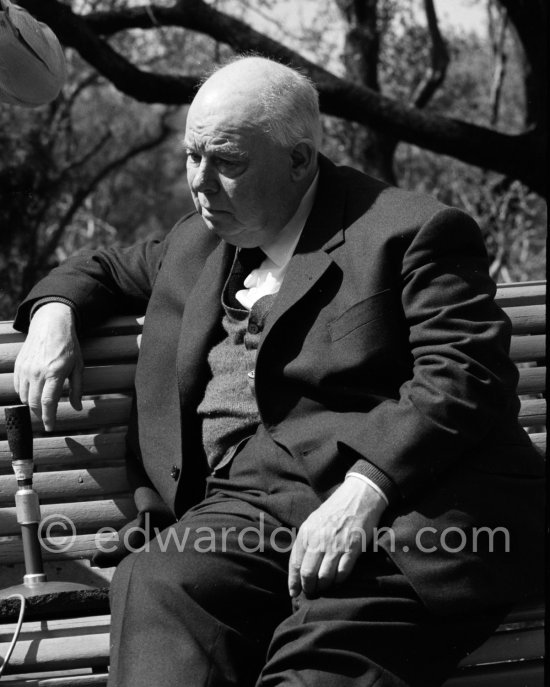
(532, 380)
(96, 680)
(117, 326)
(521, 293)
(526, 674)
(71, 452)
(113, 326)
(528, 319)
(125, 348)
(532, 610)
(539, 440)
(86, 516)
(526, 349)
(110, 379)
(8, 333)
(100, 412)
(532, 412)
(59, 549)
(105, 379)
(69, 485)
(97, 350)
(58, 645)
(518, 645)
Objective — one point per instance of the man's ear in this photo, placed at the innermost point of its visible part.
(303, 159)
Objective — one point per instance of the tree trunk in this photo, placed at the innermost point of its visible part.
(361, 57)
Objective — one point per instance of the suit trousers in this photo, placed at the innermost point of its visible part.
(206, 602)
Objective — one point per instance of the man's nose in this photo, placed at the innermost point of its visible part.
(204, 179)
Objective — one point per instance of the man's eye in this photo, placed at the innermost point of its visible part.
(194, 157)
(227, 165)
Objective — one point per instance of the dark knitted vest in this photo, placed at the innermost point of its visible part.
(228, 411)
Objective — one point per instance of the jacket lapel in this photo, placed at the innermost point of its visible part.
(322, 233)
(200, 323)
(303, 272)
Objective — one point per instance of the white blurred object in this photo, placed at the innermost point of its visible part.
(32, 64)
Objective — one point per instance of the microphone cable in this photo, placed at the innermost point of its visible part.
(16, 633)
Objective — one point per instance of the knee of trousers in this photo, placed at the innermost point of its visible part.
(120, 583)
(161, 575)
(143, 574)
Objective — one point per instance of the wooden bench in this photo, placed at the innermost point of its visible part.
(80, 475)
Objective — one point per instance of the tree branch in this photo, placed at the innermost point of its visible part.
(75, 164)
(74, 31)
(81, 195)
(521, 156)
(362, 42)
(530, 21)
(499, 52)
(439, 54)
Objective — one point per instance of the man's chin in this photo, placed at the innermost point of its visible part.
(230, 232)
(224, 230)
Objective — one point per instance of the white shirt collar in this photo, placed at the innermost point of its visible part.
(281, 249)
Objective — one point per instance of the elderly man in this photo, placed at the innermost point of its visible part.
(329, 419)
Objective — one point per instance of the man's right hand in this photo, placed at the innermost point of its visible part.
(50, 355)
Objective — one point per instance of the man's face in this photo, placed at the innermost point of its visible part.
(240, 179)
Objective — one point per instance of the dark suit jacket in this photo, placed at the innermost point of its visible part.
(384, 346)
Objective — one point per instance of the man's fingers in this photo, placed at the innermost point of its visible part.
(75, 387)
(51, 394)
(31, 393)
(309, 569)
(16, 379)
(294, 566)
(326, 576)
(22, 388)
(345, 565)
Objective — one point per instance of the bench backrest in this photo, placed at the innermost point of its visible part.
(79, 469)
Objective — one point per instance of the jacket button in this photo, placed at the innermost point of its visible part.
(253, 328)
(175, 472)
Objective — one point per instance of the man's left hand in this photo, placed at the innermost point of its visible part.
(331, 539)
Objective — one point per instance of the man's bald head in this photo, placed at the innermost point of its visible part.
(283, 102)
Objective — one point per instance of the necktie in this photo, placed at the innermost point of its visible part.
(246, 260)
(249, 259)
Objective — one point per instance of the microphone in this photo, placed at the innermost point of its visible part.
(27, 505)
(19, 434)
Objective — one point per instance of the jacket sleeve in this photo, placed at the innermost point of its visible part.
(101, 283)
(463, 382)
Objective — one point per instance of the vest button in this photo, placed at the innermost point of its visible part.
(175, 472)
(253, 328)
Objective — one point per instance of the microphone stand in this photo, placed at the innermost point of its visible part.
(35, 582)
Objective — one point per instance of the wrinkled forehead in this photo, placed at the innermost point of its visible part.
(225, 117)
